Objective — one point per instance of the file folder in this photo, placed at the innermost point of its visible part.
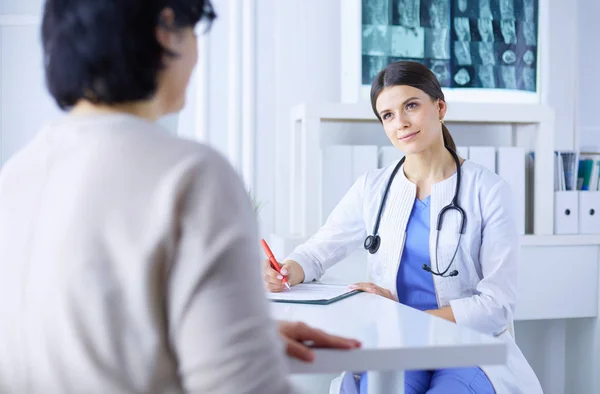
(566, 212)
(511, 167)
(389, 155)
(484, 156)
(463, 151)
(337, 178)
(364, 159)
(589, 212)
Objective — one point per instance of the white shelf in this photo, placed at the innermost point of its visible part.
(20, 20)
(306, 153)
(457, 112)
(560, 240)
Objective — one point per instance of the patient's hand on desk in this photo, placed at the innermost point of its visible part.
(300, 338)
(373, 289)
(272, 280)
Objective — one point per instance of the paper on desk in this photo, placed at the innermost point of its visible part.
(310, 292)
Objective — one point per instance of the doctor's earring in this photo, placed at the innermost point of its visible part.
(442, 121)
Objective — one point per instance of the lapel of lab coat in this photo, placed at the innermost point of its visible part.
(392, 228)
(441, 195)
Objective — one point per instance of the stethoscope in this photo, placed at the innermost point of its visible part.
(372, 242)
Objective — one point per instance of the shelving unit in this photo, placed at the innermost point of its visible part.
(22, 86)
(559, 275)
(307, 143)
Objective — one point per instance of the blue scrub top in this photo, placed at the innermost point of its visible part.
(414, 284)
(415, 289)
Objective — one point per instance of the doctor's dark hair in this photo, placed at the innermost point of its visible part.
(417, 75)
(106, 51)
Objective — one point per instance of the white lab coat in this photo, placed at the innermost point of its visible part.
(484, 294)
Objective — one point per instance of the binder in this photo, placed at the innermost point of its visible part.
(561, 183)
(584, 175)
(389, 155)
(511, 167)
(342, 165)
(484, 156)
(364, 159)
(337, 178)
(594, 176)
(589, 212)
(569, 166)
(566, 212)
(529, 189)
(463, 151)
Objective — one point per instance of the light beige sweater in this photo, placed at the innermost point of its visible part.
(129, 264)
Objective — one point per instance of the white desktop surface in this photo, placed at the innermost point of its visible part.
(394, 337)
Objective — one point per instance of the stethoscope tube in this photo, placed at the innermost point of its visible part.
(372, 242)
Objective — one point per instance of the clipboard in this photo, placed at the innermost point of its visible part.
(313, 294)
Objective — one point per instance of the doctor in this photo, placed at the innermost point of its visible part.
(439, 232)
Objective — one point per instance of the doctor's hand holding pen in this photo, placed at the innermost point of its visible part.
(291, 273)
(278, 277)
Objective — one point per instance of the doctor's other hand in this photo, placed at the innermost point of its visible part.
(299, 338)
(273, 280)
(372, 288)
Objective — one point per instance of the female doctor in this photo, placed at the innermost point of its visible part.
(439, 231)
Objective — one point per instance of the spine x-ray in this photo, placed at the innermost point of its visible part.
(488, 44)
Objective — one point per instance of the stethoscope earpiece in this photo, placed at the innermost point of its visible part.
(372, 243)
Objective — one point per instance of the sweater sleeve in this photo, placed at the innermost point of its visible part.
(219, 324)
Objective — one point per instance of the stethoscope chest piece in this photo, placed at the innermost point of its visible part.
(372, 243)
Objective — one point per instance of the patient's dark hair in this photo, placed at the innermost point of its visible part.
(413, 74)
(106, 51)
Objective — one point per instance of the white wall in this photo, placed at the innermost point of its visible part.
(589, 77)
(307, 69)
(25, 104)
(561, 91)
(31, 7)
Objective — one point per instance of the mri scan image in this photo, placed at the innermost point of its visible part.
(406, 13)
(488, 44)
(437, 44)
(375, 12)
(462, 77)
(485, 10)
(508, 32)
(462, 53)
(486, 30)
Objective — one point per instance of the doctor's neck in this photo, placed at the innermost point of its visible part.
(431, 165)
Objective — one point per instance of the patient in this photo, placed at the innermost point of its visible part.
(126, 253)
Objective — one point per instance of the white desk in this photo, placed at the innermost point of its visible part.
(394, 337)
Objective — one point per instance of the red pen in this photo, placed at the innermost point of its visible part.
(274, 262)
